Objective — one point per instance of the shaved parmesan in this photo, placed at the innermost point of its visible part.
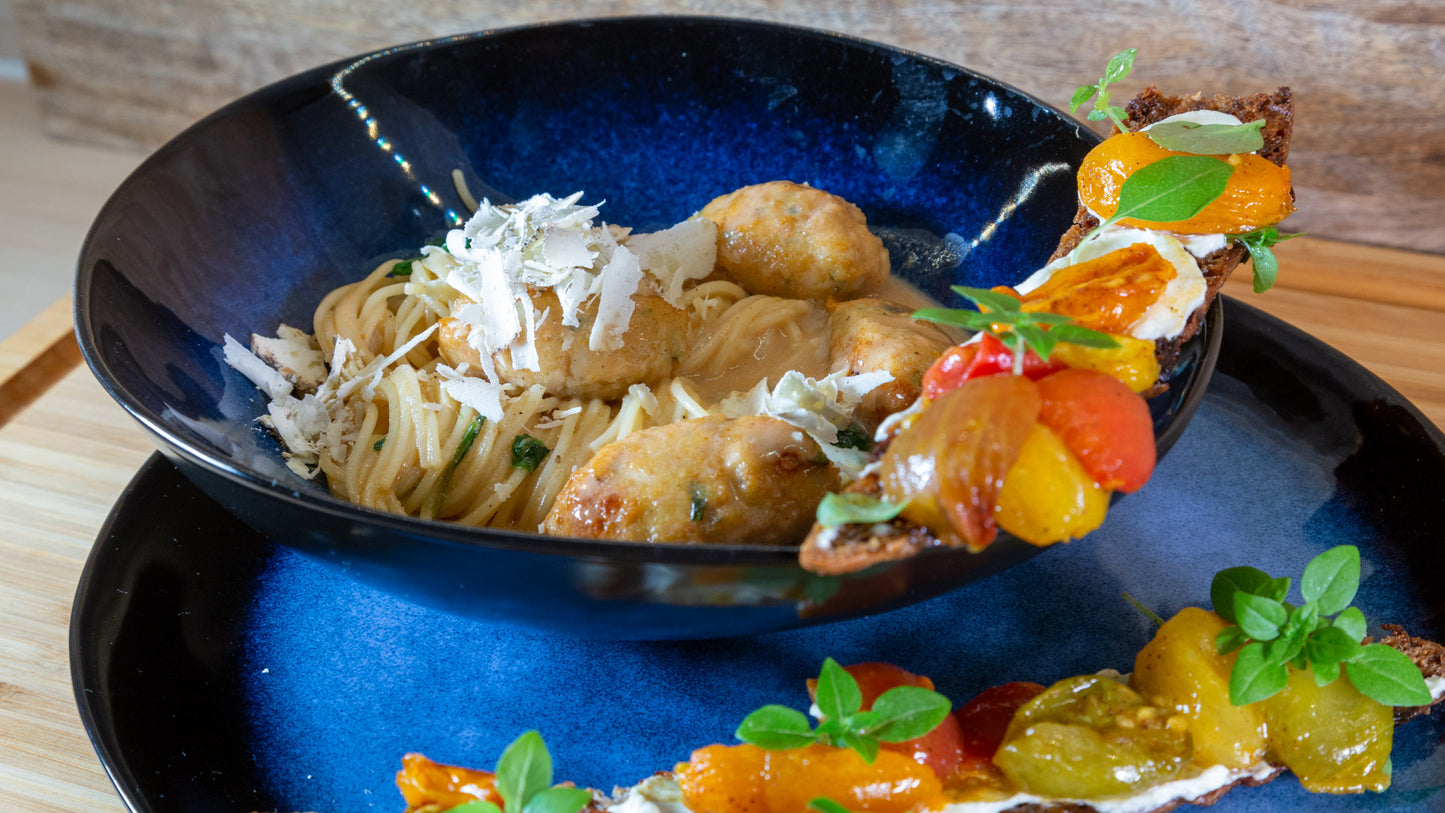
(266, 378)
(678, 255)
(819, 407)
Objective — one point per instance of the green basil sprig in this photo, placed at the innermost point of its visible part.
(1261, 258)
(1003, 316)
(524, 781)
(528, 452)
(1118, 68)
(900, 714)
(1272, 635)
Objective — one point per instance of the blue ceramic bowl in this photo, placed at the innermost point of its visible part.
(247, 218)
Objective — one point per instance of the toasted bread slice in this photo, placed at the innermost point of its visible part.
(850, 548)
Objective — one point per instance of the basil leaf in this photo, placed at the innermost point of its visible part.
(837, 694)
(528, 452)
(855, 507)
(1352, 623)
(1254, 678)
(1265, 265)
(1325, 672)
(776, 728)
(1330, 645)
(1120, 65)
(475, 806)
(854, 437)
(1387, 676)
(991, 300)
(908, 712)
(402, 269)
(697, 502)
(1233, 580)
(1332, 578)
(968, 320)
(558, 800)
(1229, 639)
(1082, 94)
(1082, 336)
(866, 746)
(1208, 139)
(1260, 617)
(469, 437)
(1174, 188)
(825, 805)
(524, 769)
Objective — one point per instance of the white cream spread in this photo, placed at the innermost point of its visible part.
(1181, 296)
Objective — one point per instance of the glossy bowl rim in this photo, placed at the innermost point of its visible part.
(184, 453)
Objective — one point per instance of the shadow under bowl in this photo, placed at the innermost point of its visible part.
(249, 217)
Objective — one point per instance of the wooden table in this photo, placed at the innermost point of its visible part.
(67, 451)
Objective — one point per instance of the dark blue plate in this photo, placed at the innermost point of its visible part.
(216, 671)
(247, 218)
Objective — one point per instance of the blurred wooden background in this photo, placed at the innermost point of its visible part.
(1368, 159)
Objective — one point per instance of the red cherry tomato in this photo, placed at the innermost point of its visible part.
(987, 356)
(984, 720)
(1104, 423)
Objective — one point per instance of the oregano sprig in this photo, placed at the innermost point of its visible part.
(524, 781)
(1119, 67)
(1273, 636)
(1003, 316)
(900, 714)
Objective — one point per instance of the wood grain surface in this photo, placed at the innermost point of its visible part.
(1367, 158)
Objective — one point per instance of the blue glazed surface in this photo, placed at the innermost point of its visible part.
(246, 219)
(216, 671)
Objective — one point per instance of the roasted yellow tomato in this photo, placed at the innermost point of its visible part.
(1133, 362)
(724, 779)
(1048, 497)
(1089, 736)
(1181, 669)
(1333, 738)
(1258, 194)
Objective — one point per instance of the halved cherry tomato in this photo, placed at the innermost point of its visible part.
(1104, 423)
(1049, 497)
(986, 356)
(939, 749)
(950, 463)
(426, 783)
(983, 721)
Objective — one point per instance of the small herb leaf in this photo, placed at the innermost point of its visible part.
(475, 806)
(1174, 188)
(908, 712)
(1387, 676)
(1120, 65)
(1332, 578)
(1352, 623)
(1259, 243)
(1208, 139)
(1234, 580)
(867, 747)
(776, 728)
(528, 452)
(1325, 672)
(523, 770)
(1330, 645)
(1082, 94)
(825, 805)
(558, 800)
(852, 506)
(1229, 639)
(1260, 617)
(837, 696)
(1254, 678)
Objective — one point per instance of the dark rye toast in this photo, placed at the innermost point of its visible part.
(853, 547)
(1150, 107)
